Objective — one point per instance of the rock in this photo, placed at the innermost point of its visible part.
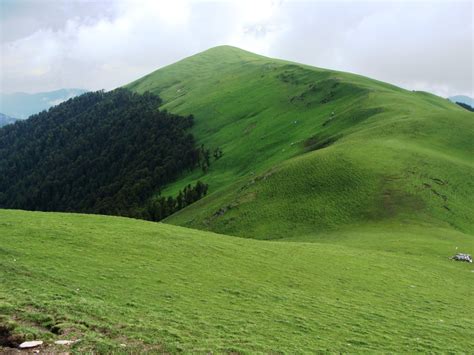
(64, 342)
(30, 344)
(462, 257)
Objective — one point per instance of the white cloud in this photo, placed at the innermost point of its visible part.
(93, 45)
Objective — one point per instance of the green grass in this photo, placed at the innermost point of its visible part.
(157, 287)
(397, 155)
(346, 223)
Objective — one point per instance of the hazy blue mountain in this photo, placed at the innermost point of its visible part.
(4, 119)
(23, 105)
(463, 99)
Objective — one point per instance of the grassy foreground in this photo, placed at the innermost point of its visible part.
(122, 284)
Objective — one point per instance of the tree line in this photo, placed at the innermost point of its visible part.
(162, 207)
(101, 152)
(466, 106)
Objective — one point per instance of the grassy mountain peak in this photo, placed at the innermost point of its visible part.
(228, 51)
(336, 171)
(310, 150)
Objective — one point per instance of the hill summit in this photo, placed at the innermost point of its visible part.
(307, 150)
(362, 190)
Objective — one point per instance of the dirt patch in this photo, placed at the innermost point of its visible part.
(240, 200)
(8, 338)
(221, 211)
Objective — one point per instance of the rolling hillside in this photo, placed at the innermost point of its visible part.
(120, 284)
(309, 151)
(362, 191)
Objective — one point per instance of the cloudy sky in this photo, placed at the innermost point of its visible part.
(95, 44)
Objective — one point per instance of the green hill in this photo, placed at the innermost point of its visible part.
(309, 151)
(362, 190)
(121, 285)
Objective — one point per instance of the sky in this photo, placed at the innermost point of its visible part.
(102, 44)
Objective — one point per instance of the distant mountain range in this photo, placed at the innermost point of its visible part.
(462, 99)
(4, 119)
(22, 105)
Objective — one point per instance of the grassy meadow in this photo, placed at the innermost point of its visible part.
(120, 284)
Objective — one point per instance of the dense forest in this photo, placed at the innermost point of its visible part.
(100, 152)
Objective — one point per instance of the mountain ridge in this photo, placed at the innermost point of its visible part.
(463, 99)
(267, 112)
(5, 119)
(22, 104)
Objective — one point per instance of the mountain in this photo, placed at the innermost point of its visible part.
(308, 151)
(359, 191)
(462, 99)
(23, 105)
(4, 119)
(305, 152)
